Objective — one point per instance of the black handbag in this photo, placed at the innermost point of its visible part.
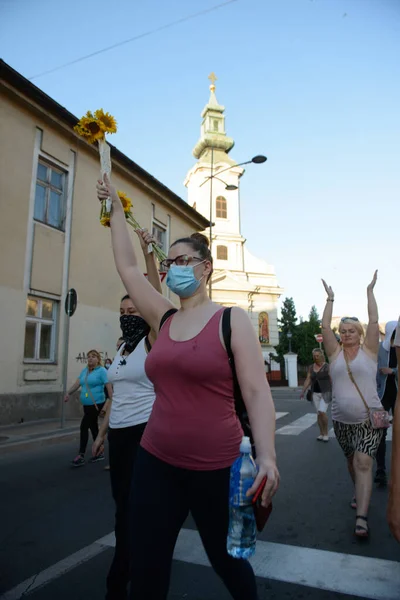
(309, 395)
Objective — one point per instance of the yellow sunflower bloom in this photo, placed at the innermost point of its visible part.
(96, 132)
(125, 201)
(105, 221)
(106, 121)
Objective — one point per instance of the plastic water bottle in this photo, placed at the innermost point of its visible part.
(241, 542)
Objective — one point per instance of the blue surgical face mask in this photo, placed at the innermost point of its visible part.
(182, 280)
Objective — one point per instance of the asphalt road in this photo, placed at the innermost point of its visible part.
(54, 519)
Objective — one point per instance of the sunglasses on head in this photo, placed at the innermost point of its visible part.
(348, 319)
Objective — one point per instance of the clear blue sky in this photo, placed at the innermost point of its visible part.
(313, 84)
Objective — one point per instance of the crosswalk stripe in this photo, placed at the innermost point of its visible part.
(299, 425)
(358, 576)
(363, 577)
(279, 415)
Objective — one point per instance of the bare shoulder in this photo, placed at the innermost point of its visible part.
(333, 357)
(242, 328)
(370, 353)
(240, 316)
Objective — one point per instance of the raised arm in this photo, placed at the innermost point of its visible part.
(150, 303)
(257, 396)
(331, 344)
(153, 276)
(371, 343)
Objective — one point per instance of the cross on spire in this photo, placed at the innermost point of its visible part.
(212, 77)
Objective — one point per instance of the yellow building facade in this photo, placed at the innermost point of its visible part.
(51, 241)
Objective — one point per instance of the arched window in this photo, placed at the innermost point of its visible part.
(222, 253)
(221, 208)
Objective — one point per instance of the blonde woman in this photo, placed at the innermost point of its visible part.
(319, 382)
(355, 361)
(92, 381)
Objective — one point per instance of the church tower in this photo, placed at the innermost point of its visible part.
(210, 196)
(239, 278)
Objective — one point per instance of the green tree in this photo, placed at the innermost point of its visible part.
(286, 323)
(305, 336)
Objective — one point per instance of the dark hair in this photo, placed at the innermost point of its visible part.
(200, 244)
(126, 297)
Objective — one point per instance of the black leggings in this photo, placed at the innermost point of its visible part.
(122, 444)
(388, 404)
(161, 498)
(89, 421)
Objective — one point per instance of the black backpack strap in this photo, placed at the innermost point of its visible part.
(226, 333)
(240, 406)
(147, 343)
(165, 316)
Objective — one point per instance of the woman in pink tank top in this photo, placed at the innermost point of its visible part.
(193, 435)
(352, 362)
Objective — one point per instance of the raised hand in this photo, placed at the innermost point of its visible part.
(105, 189)
(328, 290)
(145, 238)
(373, 282)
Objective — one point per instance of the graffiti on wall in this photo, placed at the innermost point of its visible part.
(82, 356)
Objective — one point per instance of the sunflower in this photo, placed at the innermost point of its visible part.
(106, 121)
(94, 128)
(125, 201)
(105, 221)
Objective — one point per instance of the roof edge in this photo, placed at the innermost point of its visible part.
(35, 94)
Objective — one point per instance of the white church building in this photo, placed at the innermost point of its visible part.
(239, 278)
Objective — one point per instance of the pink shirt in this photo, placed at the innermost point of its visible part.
(193, 424)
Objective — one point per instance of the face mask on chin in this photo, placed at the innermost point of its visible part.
(134, 329)
(182, 280)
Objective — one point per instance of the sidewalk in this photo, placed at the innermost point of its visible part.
(39, 433)
(36, 433)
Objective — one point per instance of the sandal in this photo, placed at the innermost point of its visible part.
(353, 503)
(361, 531)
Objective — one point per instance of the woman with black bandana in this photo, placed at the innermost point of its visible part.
(126, 418)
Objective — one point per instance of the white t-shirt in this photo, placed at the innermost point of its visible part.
(133, 392)
(347, 405)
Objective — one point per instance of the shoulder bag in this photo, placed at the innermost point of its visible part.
(379, 417)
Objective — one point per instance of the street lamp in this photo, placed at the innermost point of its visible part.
(257, 160)
(289, 337)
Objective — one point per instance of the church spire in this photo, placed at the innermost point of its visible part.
(212, 133)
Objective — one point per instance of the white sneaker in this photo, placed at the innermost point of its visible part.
(325, 438)
(320, 438)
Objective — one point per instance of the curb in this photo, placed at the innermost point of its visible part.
(32, 443)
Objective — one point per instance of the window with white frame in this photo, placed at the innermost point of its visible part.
(160, 233)
(40, 329)
(50, 195)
